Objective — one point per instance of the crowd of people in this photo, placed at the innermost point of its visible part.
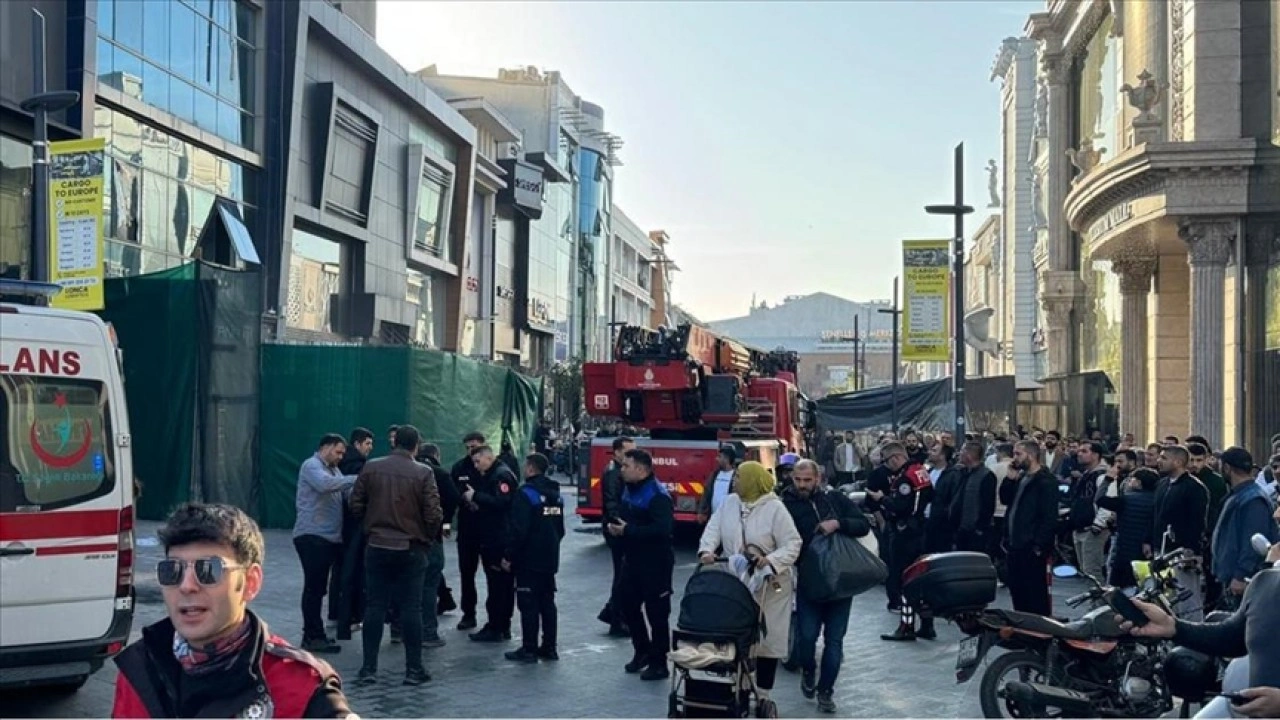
(370, 531)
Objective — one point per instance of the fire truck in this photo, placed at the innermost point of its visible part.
(694, 391)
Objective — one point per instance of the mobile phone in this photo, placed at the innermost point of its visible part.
(1236, 698)
(1123, 605)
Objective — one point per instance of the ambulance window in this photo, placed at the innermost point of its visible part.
(54, 443)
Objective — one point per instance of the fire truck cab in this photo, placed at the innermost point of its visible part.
(694, 392)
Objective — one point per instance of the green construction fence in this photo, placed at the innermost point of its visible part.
(310, 390)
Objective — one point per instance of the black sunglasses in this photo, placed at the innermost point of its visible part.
(209, 571)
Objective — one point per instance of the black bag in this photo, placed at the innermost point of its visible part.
(836, 566)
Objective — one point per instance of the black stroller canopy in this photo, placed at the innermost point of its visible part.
(716, 602)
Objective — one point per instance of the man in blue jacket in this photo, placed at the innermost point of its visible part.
(533, 555)
(1246, 512)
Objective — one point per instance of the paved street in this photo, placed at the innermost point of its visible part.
(470, 680)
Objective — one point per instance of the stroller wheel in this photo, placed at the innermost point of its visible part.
(766, 709)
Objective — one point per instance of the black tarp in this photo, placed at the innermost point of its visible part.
(992, 405)
(1075, 403)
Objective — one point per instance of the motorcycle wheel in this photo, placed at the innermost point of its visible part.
(994, 704)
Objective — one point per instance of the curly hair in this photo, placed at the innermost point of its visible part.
(218, 524)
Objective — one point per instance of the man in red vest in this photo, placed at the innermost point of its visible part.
(213, 657)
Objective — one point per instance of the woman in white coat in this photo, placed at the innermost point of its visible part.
(754, 523)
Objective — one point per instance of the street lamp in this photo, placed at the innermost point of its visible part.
(957, 210)
(40, 104)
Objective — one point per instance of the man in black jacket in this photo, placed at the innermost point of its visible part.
(816, 510)
(533, 554)
(1182, 506)
(433, 582)
(974, 504)
(1030, 492)
(346, 584)
(488, 507)
(646, 517)
(946, 476)
(611, 486)
(465, 475)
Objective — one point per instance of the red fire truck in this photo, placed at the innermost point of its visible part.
(694, 391)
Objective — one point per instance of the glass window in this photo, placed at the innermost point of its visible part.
(223, 11)
(201, 205)
(229, 70)
(427, 292)
(156, 211)
(15, 207)
(107, 65)
(106, 17)
(229, 122)
(315, 271)
(155, 36)
(155, 86)
(245, 74)
(246, 24)
(55, 449)
(426, 232)
(206, 111)
(182, 99)
(128, 23)
(130, 68)
(206, 52)
(1273, 308)
(1097, 94)
(182, 35)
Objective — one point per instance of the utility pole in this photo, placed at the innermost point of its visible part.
(957, 210)
(857, 376)
(896, 312)
(40, 104)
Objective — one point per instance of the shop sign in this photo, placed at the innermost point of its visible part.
(76, 243)
(1114, 217)
(524, 189)
(926, 331)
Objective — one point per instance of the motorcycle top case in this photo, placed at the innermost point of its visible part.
(950, 583)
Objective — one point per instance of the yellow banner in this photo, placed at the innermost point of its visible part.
(926, 300)
(76, 245)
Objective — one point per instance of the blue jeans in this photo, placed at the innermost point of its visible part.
(395, 573)
(430, 589)
(833, 619)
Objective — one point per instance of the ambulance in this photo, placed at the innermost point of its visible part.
(66, 493)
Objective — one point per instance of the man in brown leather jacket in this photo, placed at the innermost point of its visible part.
(399, 503)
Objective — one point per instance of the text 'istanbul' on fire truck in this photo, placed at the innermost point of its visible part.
(695, 392)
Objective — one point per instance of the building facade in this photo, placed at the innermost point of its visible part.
(565, 257)
(1157, 161)
(631, 255)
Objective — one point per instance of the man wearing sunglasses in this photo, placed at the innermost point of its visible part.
(212, 656)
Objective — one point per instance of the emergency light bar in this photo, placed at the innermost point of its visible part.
(29, 289)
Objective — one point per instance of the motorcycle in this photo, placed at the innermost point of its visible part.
(1084, 668)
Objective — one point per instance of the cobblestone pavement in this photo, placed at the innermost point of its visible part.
(878, 679)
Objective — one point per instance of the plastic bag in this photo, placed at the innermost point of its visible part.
(836, 566)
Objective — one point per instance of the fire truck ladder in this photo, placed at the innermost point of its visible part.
(757, 420)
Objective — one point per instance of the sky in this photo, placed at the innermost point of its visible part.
(786, 147)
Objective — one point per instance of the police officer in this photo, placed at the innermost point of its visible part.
(645, 520)
(488, 505)
(611, 486)
(910, 492)
(465, 475)
(533, 554)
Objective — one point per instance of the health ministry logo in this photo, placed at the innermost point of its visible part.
(64, 456)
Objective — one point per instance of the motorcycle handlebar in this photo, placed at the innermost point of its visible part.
(1081, 598)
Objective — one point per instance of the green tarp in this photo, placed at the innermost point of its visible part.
(310, 390)
(155, 320)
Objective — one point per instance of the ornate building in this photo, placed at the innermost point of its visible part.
(1157, 159)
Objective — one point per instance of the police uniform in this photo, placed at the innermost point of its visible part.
(533, 552)
(910, 493)
(494, 491)
(648, 562)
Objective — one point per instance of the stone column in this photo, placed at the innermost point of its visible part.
(1261, 245)
(1135, 284)
(1209, 242)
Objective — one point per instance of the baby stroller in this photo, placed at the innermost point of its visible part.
(719, 624)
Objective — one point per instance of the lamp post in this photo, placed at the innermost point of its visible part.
(957, 210)
(896, 312)
(40, 104)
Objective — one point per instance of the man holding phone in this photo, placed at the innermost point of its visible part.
(1249, 631)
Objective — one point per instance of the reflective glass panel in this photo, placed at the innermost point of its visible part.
(155, 36)
(182, 34)
(155, 86)
(128, 22)
(182, 99)
(107, 64)
(206, 111)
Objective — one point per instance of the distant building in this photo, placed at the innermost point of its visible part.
(820, 328)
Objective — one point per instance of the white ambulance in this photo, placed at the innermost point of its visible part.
(66, 494)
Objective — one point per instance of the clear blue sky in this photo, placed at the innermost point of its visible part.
(786, 147)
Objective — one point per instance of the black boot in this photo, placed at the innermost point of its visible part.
(906, 631)
(638, 663)
(926, 631)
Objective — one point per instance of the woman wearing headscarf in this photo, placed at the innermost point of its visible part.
(755, 525)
